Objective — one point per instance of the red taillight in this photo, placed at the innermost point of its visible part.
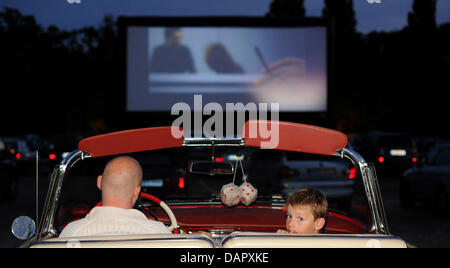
(381, 159)
(414, 159)
(52, 156)
(220, 159)
(181, 183)
(352, 173)
(18, 156)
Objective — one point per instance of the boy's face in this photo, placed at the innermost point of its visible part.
(300, 220)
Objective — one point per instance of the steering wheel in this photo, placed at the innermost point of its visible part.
(173, 221)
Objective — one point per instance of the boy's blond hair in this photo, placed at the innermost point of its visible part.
(310, 197)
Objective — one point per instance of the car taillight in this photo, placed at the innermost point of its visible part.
(18, 156)
(380, 159)
(414, 159)
(219, 159)
(52, 156)
(181, 183)
(352, 173)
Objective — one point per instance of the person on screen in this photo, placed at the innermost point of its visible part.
(306, 212)
(172, 56)
(220, 60)
(120, 184)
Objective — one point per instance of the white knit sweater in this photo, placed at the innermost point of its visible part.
(105, 221)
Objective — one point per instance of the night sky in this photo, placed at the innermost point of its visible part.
(68, 14)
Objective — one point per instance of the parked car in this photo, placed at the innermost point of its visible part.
(8, 174)
(59, 146)
(42, 145)
(162, 174)
(390, 152)
(428, 181)
(24, 156)
(200, 207)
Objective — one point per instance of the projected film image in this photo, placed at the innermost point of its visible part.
(286, 65)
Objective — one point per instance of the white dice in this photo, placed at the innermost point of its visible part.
(248, 193)
(230, 194)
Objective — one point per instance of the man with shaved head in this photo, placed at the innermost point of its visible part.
(120, 185)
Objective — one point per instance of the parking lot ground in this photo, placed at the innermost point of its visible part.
(422, 226)
(23, 205)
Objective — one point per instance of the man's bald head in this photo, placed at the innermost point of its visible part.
(120, 182)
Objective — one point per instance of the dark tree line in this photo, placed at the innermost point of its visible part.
(56, 80)
(70, 80)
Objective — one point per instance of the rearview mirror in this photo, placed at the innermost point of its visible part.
(211, 168)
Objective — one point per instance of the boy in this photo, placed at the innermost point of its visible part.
(306, 212)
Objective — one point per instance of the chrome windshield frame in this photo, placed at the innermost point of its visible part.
(46, 227)
(372, 189)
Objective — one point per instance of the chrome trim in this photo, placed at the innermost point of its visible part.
(372, 189)
(238, 142)
(118, 239)
(46, 226)
(217, 232)
(238, 235)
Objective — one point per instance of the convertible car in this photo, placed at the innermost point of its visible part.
(188, 197)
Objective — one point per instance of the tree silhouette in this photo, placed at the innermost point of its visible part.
(55, 80)
(346, 52)
(342, 12)
(423, 60)
(287, 8)
(423, 16)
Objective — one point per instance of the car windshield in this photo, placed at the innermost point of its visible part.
(275, 174)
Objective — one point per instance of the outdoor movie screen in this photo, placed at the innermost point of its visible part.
(226, 64)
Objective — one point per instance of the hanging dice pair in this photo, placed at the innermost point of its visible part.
(231, 194)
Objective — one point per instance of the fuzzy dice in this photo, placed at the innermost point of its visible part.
(248, 193)
(230, 194)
